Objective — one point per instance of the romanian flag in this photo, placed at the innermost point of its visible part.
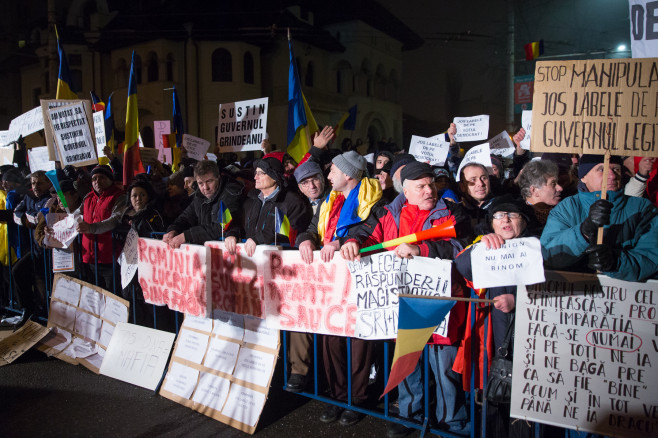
(178, 131)
(52, 176)
(347, 121)
(300, 119)
(110, 137)
(132, 163)
(225, 217)
(417, 319)
(64, 78)
(96, 103)
(282, 225)
(534, 50)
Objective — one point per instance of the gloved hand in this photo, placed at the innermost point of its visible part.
(599, 215)
(602, 258)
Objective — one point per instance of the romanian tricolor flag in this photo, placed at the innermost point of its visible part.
(534, 50)
(64, 78)
(52, 176)
(225, 216)
(110, 136)
(177, 130)
(96, 103)
(418, 318)
(347, 121)
(132, 163)
(301, 123)
(281, 223)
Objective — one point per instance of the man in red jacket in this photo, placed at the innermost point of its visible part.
(101, 211)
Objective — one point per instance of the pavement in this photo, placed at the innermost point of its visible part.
(46, 397)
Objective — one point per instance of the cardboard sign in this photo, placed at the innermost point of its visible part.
(517, 261)
(308, 298)
(175, 277)
(99, 132)
(584, 353)
(82, 318)
(14, 344)
(73, 136)
(196, 147)
(216, 371)
(237, 281)
(501, 145)
(526, 123)
(46, 106)
(644, 33)
(39, 159)
(149, 156)
(477, 154)
(472, 128)
(128, 258)
(590, 107)
(377, 280)
(137, 355)
(429, 150)
(242, 125)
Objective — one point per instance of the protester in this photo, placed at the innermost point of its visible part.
(444, 185)
(382, 158)
(475, 191)
(630, 241)
(540, 189)
(176, 199)
(396, 168)
(639, 175)
(383, 174)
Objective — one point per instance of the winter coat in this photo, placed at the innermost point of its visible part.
(102, 212)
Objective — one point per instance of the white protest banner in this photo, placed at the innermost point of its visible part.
(128, 258)
(644, 28)
(7, 155)
(4, 138)
(377, 280)
(472, 128)
(137, 355)
(26, 124)
(501, 145)
(584, 351)
(432, 150)
(63, 260)
(517, 261)
(46, 106)
(14, 344)
(73, 136)
(175, 277)
(237, 280)
(160, 128)
(308, 297)
(220, 375)
(64, 229)
(242, 125)
(39, 159)
(196, 147)
(526, 123)
(477, 154)
(99, 132)
(81, 315)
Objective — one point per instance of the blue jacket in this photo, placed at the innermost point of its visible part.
(633, 232)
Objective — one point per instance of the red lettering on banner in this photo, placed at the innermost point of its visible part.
(142, 246)
(327, 321)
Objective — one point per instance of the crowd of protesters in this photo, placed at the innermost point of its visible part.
(338, 202)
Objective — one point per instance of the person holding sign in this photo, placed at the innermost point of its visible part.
(419, 208)
(630, 237)
(507, 218)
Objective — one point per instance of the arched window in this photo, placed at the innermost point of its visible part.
(308, 77)
(152, 73)
(222, 66)
(248, 65)
(170, 68)
(138, 69)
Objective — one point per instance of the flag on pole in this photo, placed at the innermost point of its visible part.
(64, 77)
(282, 225)
(178, 130)
(131, 160)
(417, 319)
(96, 103)
(347, 121)
(52, 176)
(534, 50)
(110, 138)
(225, 217)
(299, 117)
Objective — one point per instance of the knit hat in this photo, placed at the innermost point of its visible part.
(416, 170)
(588, 162)
(103, 170)
(401, 160)
(351, 164)
(272, 167)
(307, 170)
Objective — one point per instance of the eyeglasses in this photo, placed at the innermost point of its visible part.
(259, 173)
(501, 214)
(307, 182)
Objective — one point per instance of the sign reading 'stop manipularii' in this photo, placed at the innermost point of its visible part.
(596, 105)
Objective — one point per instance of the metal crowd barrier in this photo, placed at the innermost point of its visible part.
(317, 393)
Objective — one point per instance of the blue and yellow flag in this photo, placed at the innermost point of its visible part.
(225, 216)
(131, 158)
(178, 130)
(281, 223)
(64, 78)
(301, 123)
(347, 121)
(417, 319)
(110, 136)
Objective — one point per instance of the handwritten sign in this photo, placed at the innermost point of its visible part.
(584, 351)
(175, 277)
(597, 105)
(39, 159)
(308, 298)
(25, 124)
(137, 355)
(73, 135)
(128, 258)
(477, 154)
(377, 281)
(219, 374)
(517, 261)
(644, 41)
(99, 132)
(242, 125)
(196, 147)
(160, 128)
(64, 229)
(16, 343)
(46, 106)
(149, 156)
(472, 128)
(526, 123)
(501, 145)
(432, 150)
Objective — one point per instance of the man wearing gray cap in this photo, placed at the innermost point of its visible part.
(350, 202)
(311, 183)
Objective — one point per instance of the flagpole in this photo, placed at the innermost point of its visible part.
(276, 209)
(472, 300)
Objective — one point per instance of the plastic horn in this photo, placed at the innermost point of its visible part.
(446, 229)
